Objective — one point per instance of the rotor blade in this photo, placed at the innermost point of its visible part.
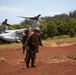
(23, 17)
(36, 17)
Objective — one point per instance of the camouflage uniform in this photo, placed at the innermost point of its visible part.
(25, 34)
(33, 41)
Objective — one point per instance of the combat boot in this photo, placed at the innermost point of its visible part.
(27, 65)
(33, 66)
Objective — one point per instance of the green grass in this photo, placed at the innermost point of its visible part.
(68, 40)
(12, 45)
(55, 40)
(62, 57)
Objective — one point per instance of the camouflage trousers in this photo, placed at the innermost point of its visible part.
(30, 55)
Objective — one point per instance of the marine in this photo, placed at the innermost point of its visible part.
(25, 34)
(32, 43)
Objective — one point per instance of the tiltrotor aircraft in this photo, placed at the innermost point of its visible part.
(8, 36)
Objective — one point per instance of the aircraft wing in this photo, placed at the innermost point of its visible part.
(9, 38)
(20, 30)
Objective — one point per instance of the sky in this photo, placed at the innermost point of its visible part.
(10, 9)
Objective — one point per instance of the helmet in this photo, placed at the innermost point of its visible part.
(30, 28)
(26, 31)
(37, 29)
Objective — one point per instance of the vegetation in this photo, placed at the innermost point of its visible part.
(73, 57)
(49, 41)
(10, 46)
(58, 25)
(62, 39)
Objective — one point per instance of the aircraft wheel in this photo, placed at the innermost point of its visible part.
(2, 41)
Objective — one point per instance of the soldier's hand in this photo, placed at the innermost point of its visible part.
(42, 48)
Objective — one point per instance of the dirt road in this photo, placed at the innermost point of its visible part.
(53, 60)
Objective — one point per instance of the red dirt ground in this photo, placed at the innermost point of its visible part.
(53, 60)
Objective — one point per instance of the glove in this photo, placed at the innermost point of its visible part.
(42, 48)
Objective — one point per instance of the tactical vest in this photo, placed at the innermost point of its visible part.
(34, 39)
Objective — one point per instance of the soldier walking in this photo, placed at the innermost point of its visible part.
(25, 35)
(32, 43)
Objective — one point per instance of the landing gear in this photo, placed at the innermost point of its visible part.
(3, 41)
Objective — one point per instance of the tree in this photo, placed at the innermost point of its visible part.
(48, 30)
(73, 14)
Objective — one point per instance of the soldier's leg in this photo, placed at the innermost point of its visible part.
(27, 59)
(33, 60)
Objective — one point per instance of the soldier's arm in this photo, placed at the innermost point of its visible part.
(40, 42)
(7, 24)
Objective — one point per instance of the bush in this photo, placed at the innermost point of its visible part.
(72, 33)
(45, 36)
